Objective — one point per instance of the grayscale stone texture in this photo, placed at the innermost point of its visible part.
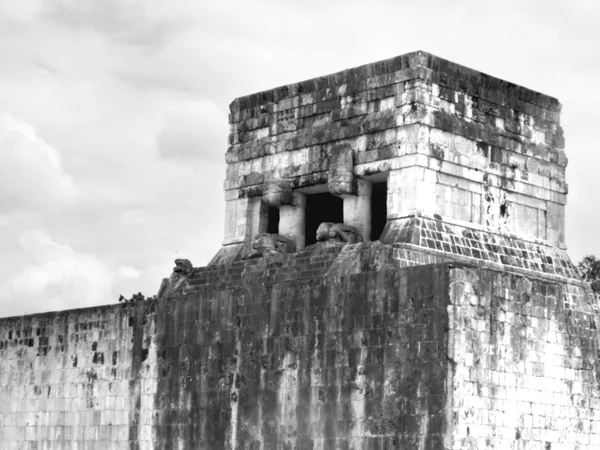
(462, 324)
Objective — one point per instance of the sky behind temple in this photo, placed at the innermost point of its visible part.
(113, 118)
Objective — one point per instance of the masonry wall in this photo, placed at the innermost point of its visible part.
(350, 347)
(262, 359)
(524, 355)
(76, 379)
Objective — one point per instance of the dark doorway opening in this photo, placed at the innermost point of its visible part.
(320, 208)
(378, 209)
(273, 220)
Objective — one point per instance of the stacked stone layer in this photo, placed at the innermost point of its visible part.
(456, 242)
(315, 261)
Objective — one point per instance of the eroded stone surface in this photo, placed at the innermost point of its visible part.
(464, 326)
(516, 363)
(178, 281)
(266, 244)
(451, 143)
(338, 232)
(334, 347)
(465, 244)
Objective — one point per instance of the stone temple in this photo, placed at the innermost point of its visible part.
(393, 275)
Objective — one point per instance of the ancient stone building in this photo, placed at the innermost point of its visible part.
(393, 276)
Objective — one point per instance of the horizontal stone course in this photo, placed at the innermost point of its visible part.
(448, 74)
(337, 120)
(315, 261)
(459, 241)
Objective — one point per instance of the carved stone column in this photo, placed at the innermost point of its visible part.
(276, 194)
(357, 209)
(341, 171)
(292, 220)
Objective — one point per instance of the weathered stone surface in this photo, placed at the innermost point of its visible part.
(304, 352)
(452, 142)
(227, 254)
(338, 232)
(266, 244)
(278, 193)
(293, 364)
(464, 326)
(177, 282)
(341, 171)
(465, 244)
(523, 352)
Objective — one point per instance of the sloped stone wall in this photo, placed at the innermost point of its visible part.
(496, 250)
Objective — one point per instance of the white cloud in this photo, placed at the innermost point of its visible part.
(129, 272)
(31, 172)
(56, 277)
(21, 10)
(193, 130)
(134, 217)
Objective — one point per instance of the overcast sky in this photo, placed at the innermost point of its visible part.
(113, 117)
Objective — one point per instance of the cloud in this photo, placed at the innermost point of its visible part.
(22, 10)
(129, 272)
(31, 172)
(193, 130)
(56, 275)
(122, 21)
(134, 217)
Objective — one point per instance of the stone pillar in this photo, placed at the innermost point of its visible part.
(292, 220)
(276, 194)
(341, 171)
(357, 209)
(236, 221)
(256, 222)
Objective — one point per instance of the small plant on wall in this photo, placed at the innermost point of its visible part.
(135, 298)
(589, 269)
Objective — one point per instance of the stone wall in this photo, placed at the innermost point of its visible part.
(524, 356)
(266, 360)
(355, 347)
(78, 379)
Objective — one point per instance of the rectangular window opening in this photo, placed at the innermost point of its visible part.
(378, 209)
(323, 207)
(273, 220)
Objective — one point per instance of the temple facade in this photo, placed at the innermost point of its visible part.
(416, 151)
